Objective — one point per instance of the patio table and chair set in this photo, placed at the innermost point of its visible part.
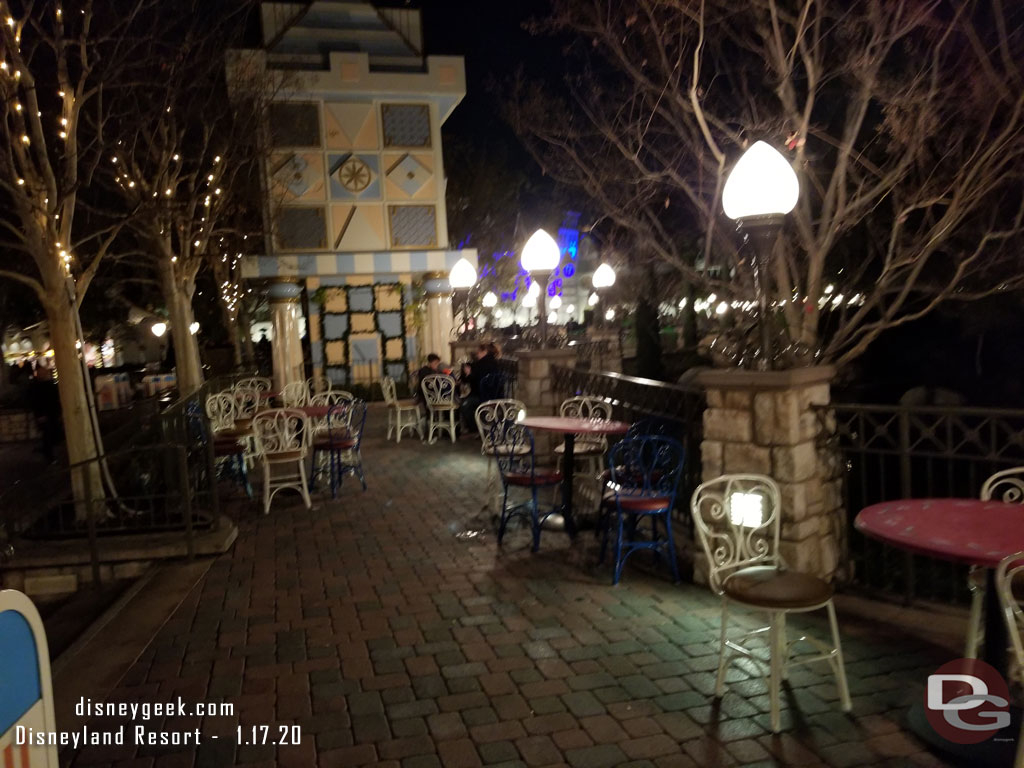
(737, 519)
(637, 469)
(307, 422)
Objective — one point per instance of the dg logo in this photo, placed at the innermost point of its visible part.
(967, 701)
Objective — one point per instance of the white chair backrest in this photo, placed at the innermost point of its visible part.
(387, 388)
(281, 430)
(1012, 569)
(333, 397)
(295, 394)
(438, 390)
(737, 519)
(247, 402)
(584, 407)
(497, 413)
(1006, 486)
(318, 384)
(258, 383)
(221, 409)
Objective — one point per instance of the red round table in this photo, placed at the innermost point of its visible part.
(571, 427)
(968, 531)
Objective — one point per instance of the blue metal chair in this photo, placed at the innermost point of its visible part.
(229, 452)
(643, 478)
(342, 441)
(517, 463)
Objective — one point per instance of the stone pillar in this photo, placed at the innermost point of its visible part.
(763, 423)
(535, 387)
(437, 332)
(287, 342)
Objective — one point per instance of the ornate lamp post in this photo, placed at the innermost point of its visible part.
(540, 256)
(761, 189)
(462, 278)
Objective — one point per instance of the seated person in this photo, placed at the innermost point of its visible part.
(486, 364)
(433, 366)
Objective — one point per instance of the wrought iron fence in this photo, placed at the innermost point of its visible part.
(155, 491)
(672, 409)
(509, 367)
(589, 351)
(893, 452)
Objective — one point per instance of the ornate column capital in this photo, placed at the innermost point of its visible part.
(436, 284)
(284, 291)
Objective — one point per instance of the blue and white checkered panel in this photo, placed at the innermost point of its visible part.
(406, 125)
(397, 371)
(332, 268)
(412, 225)
(337, 375)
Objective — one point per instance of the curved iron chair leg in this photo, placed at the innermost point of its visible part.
(670, 543)
(535, 520)
(618, 550)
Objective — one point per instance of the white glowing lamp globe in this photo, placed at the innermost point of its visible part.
(552, 317)
(541, 253)
(592, 300)
(490, 299)
(193, 328)
(761, 183)
(554, 302)
(463, 274)
(604, 277)
(159, 329)
(533, 290)
(529, 301)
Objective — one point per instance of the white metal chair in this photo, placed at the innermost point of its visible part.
(439, 392)
(319, 424)
(1010, 569)
(492, 421)
(221, 410)
(401, 416)
(318, 385)
(1009, 572)
(295, 394)
(588, 448)
(282, 437)
(738, 522)
(258, 383)
(1006, 486)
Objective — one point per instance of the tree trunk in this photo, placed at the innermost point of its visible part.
(231, 327)
(248, 351)
(78, 429)
(177, 292)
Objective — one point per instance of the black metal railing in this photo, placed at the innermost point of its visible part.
(678, 410)
(155, 490)
(894, 452)
(589, 351)
(509, 368)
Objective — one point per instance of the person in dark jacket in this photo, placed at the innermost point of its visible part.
(433, 366)
(473, 374)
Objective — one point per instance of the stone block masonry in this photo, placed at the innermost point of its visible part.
(764, 423)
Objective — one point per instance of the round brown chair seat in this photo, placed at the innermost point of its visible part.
(540, 477)
(765, 586)
(282, 456)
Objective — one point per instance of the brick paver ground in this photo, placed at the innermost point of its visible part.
(390, 640)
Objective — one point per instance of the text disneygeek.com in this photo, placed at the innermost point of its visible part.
(143, 735)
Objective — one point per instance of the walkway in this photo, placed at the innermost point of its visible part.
(391, 641)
